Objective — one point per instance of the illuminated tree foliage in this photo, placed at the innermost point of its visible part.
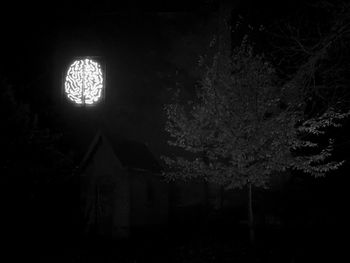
(245, 126)
(84, 82)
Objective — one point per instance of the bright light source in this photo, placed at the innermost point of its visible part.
(84, 82)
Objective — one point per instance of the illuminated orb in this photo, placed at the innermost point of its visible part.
(84, 82)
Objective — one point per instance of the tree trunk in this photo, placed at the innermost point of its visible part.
(221, 198)
(250, 215)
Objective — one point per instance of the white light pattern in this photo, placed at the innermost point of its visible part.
(84, 82)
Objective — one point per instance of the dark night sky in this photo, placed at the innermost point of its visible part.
(147, 49)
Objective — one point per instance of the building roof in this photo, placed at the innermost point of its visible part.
(132, 154)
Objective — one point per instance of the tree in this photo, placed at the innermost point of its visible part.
(28, 144)
(245, 126)
(32, 165)
(313, 51)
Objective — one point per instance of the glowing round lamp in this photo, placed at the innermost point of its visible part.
(84, 83)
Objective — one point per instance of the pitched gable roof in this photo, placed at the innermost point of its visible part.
(134, 154)
(131, 154)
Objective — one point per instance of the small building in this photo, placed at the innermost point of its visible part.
(121, 188)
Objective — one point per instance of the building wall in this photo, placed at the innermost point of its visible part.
(188, 202)
(105, 195)
(149, 199)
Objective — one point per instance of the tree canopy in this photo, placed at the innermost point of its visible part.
(246, 124)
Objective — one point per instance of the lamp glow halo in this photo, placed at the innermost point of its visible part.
(84, 82)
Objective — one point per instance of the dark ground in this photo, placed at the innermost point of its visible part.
(303, 229)
(215, 244)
